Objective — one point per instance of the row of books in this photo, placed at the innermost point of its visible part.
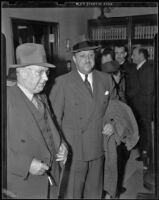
(150, 50)
(144, 32)
(109, 33)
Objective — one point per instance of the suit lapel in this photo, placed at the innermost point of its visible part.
(95, 99)
(77, 80)
(26, 107)
(83, 90)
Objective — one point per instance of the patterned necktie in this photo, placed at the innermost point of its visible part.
(38, 103)
(88, 85)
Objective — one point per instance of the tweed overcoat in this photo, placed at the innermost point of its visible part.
(25, 142)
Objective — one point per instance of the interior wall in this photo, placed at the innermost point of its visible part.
(72, 25)
(72, 22)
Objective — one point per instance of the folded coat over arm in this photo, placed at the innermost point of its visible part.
(126, 130)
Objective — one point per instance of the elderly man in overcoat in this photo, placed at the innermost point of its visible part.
(34, 145)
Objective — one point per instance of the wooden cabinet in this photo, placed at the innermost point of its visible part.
(129, 31)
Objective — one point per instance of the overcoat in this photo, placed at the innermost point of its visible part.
(126, 131)
(25, 142)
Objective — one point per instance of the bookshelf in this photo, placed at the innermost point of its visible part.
(144, 29)
(130, 31)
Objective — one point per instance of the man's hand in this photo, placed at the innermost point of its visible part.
(62, 154)
(37, 167)
(108, 130)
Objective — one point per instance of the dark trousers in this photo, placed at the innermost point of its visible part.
(143, 113)
(85, 180)
(145, 142)
(122, 157)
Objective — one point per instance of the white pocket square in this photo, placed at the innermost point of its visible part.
(106, 92)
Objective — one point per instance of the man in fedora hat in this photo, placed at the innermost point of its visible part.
(34, 145)
(79, 100)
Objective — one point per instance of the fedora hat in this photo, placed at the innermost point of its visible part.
(84, 46)
(31, 54)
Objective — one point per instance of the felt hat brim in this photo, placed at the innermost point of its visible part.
(85, 49)
(38, 64)
(84, 46)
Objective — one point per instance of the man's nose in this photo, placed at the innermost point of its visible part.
(88, 58)
(44, 76)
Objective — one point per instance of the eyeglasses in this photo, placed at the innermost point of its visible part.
(40, 72)
(86, 56)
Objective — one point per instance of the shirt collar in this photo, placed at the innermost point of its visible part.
(122, 63)
(90, 77)
(25, 91)
(140, 65)
(83, 76)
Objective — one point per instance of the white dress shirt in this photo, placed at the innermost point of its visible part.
(140, 65)
(90, 78)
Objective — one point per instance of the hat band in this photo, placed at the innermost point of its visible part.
(31, 60)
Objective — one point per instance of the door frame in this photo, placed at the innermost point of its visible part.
(52, 50)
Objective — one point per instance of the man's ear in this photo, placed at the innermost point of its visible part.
(126, 54)
(23, 73)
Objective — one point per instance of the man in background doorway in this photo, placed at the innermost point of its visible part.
(140, 95)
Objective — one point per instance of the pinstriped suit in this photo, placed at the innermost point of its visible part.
(81, 119)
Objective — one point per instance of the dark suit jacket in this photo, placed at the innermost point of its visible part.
(140, 89)
(81, 116)
(124, 66)
(25, 142)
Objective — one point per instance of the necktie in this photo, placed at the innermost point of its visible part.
(38, 103)
(88, 85)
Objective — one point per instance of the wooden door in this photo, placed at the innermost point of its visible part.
(46, 33)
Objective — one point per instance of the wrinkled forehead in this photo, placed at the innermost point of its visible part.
(36, 67)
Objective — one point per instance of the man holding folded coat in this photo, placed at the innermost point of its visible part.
(79, 100)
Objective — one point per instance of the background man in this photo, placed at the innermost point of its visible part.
(33, 142)
(79, 100)
(120, 56)
(140, 95)
(123, 153)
